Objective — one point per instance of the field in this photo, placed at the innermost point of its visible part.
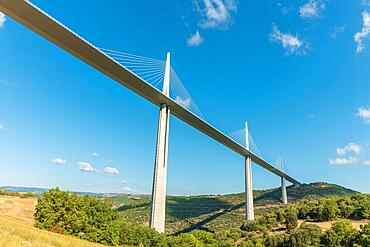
(16, 227)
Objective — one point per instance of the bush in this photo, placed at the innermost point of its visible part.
(291, 218)
(85, 217)
(304, 236)
(341, 233)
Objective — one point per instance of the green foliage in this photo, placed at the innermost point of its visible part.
(83, 216)
(291, 218)
(305, 236)
(340, 234)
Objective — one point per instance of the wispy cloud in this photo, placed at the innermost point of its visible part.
(195, 40)
(284, 9)
(59, 161)
(291, 43)
(185, 102)
(127, 189)
(312, 9)
(343, 161)
(350, 147)
(2, 20)
(216, 13)
(95, 154)
(364, 114)
(336, 31)
(359, 37)
(2, 128)
(110, 170)
(86, 167)
(366, 162)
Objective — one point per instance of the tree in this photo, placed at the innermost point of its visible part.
(291, 219)
(340, 234)
(307, 235)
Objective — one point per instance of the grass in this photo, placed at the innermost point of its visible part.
(16, 232)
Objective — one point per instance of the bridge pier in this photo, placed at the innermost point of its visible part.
(158, 204)
(284, 196)
(249, 210)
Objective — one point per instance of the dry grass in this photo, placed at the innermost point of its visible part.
(327, 224)
(15, 233)
(16, 227)
(20, 208)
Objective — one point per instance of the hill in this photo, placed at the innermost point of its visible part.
(217, 212)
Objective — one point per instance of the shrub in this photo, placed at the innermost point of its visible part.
(291, 219)
(341, 233)
(306, 235)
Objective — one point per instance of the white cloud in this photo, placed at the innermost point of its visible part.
(312, 9)
(350, 147)
(216, 13)
(366, 162)
(127, 189)
(336, 31)
(95, 154)
(364, 113)
(86, 167)
(184, 102)
(284, 9)
(2, 128)
(58, 161)
(343, 161)
(291, 43)
(2, 19)
(195, 40)
(110, 170)
(360, 36)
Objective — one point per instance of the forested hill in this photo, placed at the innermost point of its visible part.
(216, 212)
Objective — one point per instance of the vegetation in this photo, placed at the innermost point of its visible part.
(15, 232)
(94, 220)
(220, 212)
(19, 194)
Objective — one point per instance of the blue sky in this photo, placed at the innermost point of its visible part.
(297, 71)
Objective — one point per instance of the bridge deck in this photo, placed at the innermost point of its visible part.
(46, 26)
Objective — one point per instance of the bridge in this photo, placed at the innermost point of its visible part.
(116, 65)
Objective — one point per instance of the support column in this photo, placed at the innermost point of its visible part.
(249, 210)
(284, 196)
(158, 205)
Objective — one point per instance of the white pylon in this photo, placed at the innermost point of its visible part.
(284, 196)
(249, 209)
(158, 205)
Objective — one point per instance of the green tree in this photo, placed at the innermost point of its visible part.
(307, 235)
(340, 234)
(291, 219)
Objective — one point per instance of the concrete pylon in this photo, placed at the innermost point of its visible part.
(158, 206)
(284, 196)
(249, 210)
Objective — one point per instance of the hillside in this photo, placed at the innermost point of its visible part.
(16, 227)
(216, 212)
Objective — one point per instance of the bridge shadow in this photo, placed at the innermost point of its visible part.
(133, 206)
(189, 207)
(201, 225)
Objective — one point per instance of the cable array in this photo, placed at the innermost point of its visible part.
(150, 70)
(179, 93)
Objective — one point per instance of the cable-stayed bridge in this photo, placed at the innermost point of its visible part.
(143, 75)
